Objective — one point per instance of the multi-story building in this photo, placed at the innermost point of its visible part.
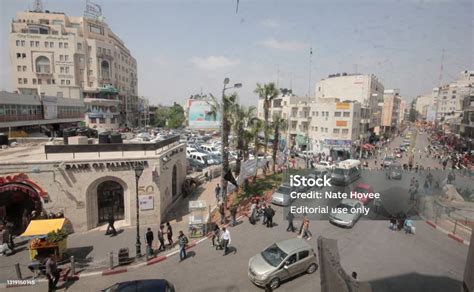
(401, 113)
(365, 89)
(390, 110)
(75, 57)
(451, 96)
(467, 124)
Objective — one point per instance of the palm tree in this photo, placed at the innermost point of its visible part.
(224, 109)
(267, 92)
(256, 126)
(240, 118)
(279, 124)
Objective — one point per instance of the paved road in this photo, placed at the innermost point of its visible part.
(391, 261)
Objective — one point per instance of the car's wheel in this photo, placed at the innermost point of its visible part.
(275, 283)
(312, 268)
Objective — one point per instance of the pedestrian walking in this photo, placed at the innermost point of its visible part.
(270, 213)
(169, 233)
(161, 238)
(393, 223)
(264, 213)
(183, 242)
(306, 233)
(290, 217)
(110, 227)
(52, 272)
(222, 212)
(253, 212)
(149, 241)
(215, 234)
(217, 191)
(233, 214)
(9, 228)
(225, 237)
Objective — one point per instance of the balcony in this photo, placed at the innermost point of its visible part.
(20, 118)
(101, 101)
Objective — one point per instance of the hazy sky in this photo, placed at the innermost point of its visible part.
(185, 46)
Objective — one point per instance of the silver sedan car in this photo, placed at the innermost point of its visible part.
(281, 196)
(281, 261)
(349, 218)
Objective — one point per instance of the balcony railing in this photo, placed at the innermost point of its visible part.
(20, 118)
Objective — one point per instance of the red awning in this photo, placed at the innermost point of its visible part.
(368, 146)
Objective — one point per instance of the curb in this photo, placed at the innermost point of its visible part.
(109, 272)
(449, 234)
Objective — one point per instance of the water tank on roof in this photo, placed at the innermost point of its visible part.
(104, 138)
(3, 139)
(70, 132)
(116, 138)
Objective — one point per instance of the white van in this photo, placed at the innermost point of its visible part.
(189, 151)
(210, 149)
(346, 172)
(202, 158)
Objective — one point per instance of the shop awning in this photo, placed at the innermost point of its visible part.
(39, 228)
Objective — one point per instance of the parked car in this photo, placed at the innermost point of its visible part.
(148, 285)
(319, 173)
(364, 189)
(281, 261)
(394, 171)
(281, 196)
(194, 165)
(323, 164)
(349, 218)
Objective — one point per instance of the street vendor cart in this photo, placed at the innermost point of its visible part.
(197, 218)
(46, 237)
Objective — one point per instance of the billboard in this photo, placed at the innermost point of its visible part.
(199, 117)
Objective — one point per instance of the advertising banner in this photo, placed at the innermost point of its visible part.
(199, 117)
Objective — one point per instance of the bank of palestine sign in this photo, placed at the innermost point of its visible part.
(92, 10)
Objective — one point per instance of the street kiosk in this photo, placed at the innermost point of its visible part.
(197, 218)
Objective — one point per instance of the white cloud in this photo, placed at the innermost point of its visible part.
(214, 62)
(270, 23)
(284, 45)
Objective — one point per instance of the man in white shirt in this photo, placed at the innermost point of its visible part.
(225, 236)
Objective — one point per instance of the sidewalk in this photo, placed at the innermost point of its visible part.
(92, 249)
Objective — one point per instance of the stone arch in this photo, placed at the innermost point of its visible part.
(43, 64)
(92, 200)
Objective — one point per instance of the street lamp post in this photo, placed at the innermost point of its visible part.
(138, 172)
(225, 138)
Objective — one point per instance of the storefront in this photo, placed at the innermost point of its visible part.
(89, 186)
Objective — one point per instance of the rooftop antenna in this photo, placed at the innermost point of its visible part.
(441, 69)
(38, 6)
(309, 77)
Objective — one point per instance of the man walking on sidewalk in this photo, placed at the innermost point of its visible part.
(110, 227)
(149, 241)
(217, 190)
(169, 234)
(222, 212)
(233, 214)
(161, 238)
(52, 272)
(270, 213)
(225, 239)
(183, 242)
(290, 218)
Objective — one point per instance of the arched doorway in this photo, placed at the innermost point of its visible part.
(174, 182)
(110, 200)
(17, 202)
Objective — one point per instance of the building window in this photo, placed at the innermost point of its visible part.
(337, 114)
(37, 44)
(61, 70)
(105, 69)
(34, 80)
(40, 81)
(20, 80)
(335, 131)
(345, 131)
(92, 120)
(18, 68)
(315, 129)
(66, 57)
(62, 81)
(18, 43)
(79, 46)
(453, 97)
(68, 82)
(346, 114)
(32, 43)
(66, 45)
(96, 28)
(60, 45)
(51, 44)
(48, 81)
(61, 58)
(101, 121)
(23, 43)
(53, 81)
(67, 70)
(43, 65)
(25, 81)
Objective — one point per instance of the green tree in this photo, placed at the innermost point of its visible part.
(176, 116)
(161, 115)
(278, 124)
(225, 109)
(256, 127)
(267, 92)
(240, 118)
